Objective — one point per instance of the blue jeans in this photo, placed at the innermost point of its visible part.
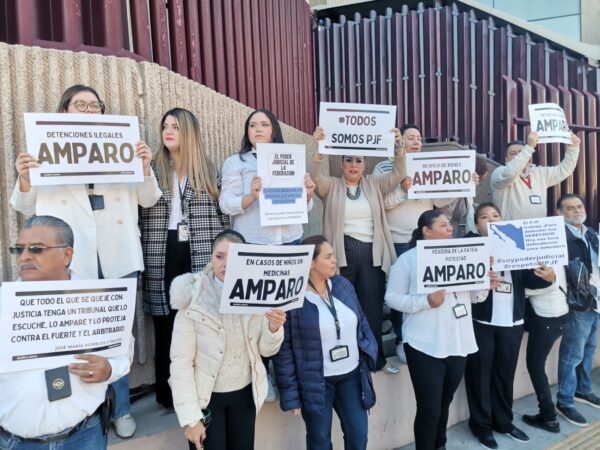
(576, 356)
(90, 437)
(342, 393)
(122, 405)
(396, 316)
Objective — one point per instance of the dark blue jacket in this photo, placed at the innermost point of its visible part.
(299, 363)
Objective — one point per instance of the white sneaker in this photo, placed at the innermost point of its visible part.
(400, 353)
(124, 426)
(272, 394)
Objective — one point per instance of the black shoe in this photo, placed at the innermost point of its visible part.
(572, 415)
(538, 422)
(488, 441)
(518, 435)
(589, 399)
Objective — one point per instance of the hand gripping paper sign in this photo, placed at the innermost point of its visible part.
(261, 277)
(447, 174)
(356, 129)
(44, 324)
(453, 264)
(83, 148)
(528, 243)
(283, 196)
(549, 122)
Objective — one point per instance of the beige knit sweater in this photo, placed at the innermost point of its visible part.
(332, 191)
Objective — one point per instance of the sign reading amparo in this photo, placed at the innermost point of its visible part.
(453, 264)
(262, 277)
(548, 120)
(43, 324)
(357, 129)
(83, 148)
(446, 174)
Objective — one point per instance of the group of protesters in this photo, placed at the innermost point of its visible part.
(173, 231)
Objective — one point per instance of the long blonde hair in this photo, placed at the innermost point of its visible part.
(201, 172)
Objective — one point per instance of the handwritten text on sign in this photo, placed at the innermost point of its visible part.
(447, 174)
(283, 196)
(357, 129)
(261, 277)
(525, 244)
(453, 264)
(44, 323)
(548, 120)
(83, 148)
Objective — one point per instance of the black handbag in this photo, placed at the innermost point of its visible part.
(581, 296)
(368, 397)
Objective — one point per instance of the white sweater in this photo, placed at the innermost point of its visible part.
(515, 199)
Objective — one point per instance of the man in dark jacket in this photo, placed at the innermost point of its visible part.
(579, 340)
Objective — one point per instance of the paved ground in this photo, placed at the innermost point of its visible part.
(460, 437)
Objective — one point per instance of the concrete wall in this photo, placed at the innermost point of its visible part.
(32, 80)
(590, 13)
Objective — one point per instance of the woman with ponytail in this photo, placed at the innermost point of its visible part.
(437, 340)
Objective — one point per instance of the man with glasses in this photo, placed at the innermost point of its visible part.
(29, 418)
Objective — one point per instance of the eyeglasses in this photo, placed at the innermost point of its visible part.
(94, 107)
(33, 249)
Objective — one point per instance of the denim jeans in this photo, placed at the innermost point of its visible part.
(342, 393)
(122, 405)
(396, 316)
(576, 355)
(90, 437)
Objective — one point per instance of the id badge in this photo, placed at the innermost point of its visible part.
(58, 383)
(460, 310)
(183, 232)
(97, 202)
(339, 352)
(504, 287)
(535, 199)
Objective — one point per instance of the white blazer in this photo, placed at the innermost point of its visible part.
(111, 234)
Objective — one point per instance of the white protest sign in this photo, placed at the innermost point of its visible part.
(44, 324)
(453, 264)
(261, 277)
(83, 148)
(357, 129)
(528, 243)
(548, 120)
(283, 196)
(446, 174)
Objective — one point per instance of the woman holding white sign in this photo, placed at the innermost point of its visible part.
(178, 231)
(104, 219)
(354, 222)
(498, 326)
(437, 331)
(326, 357)
(217, 375)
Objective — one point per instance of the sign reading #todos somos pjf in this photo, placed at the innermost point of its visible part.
(549, 122)
(447, 174)
(357, 129)
(262, 277)
(83, 148)
(453, 264)
(44, 324)
(528, 243)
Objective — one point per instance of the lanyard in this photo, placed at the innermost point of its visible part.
(330, 307)
(181, 202)
(526, 180)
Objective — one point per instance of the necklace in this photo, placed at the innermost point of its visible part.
(356, 194)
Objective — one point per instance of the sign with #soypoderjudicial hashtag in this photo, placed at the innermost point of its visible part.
(357, 129)
(283, 196)
(44, 324)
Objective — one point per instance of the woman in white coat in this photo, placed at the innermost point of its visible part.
(216, 370)
(104, 220)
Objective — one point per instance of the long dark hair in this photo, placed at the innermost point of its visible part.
(277, 137)
(425, 220)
